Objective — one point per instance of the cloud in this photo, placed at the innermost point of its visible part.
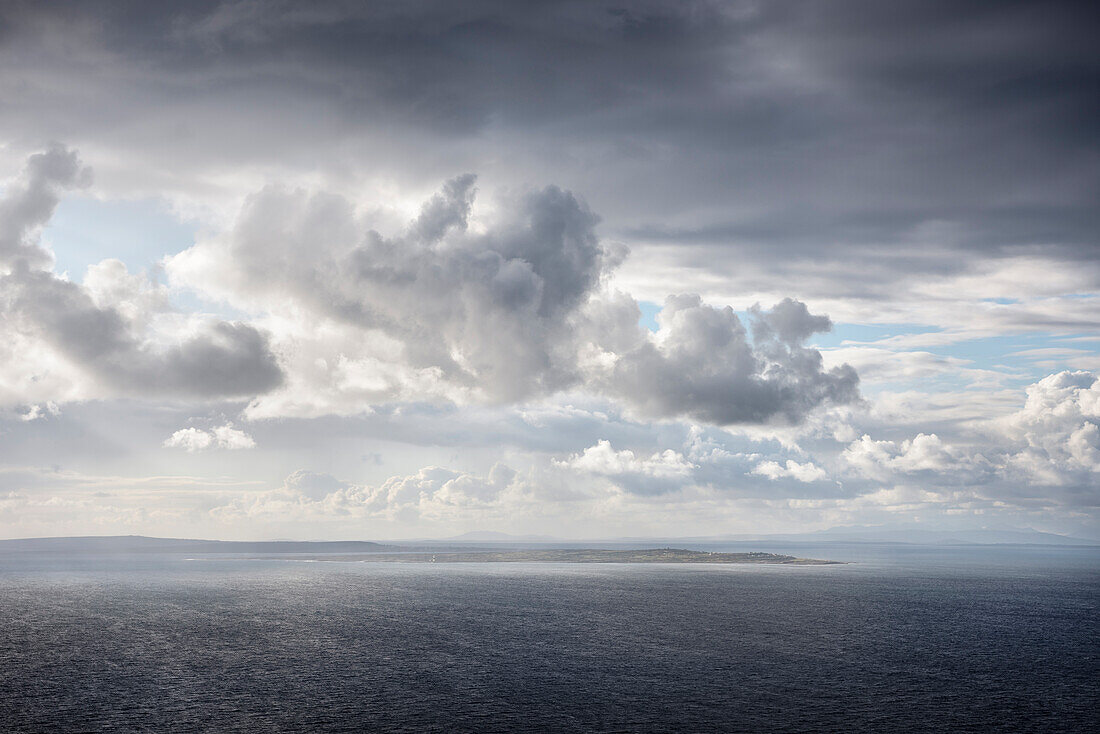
(512, 309)
(231, 438)
(487, 315)
(701, 364)
(716, 465)
(1056, 435)
(807, 472)
(824, 109)
(217, 358)
(907, 164)
(29, 202)
(193, 440)
(1044, 454)
(604, 460)
(104, 336)
(313, 485)
(189, 439)
(432, 493)
(881, 365)
(37, 411)
(710, 478)
(925, 456)
(663, 471)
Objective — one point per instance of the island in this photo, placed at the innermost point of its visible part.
(566, 555)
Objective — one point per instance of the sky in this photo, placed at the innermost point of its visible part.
(346, 270)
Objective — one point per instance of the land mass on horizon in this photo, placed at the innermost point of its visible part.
(574, 555)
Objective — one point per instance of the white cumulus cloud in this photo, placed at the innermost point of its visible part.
(805, 472)
(193, 440)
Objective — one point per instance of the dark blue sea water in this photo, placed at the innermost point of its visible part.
(908, 639)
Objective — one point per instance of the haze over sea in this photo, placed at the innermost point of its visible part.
(905, 638)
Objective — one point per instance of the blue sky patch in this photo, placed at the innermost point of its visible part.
(139, 232)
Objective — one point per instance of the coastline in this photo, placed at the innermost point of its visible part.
(582, 555)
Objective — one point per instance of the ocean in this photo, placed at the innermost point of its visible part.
(906, 638)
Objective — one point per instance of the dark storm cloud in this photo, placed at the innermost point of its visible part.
(839, 130)
(452, 66)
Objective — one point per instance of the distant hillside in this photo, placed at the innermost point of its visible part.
(143, 544)
(1024, 536)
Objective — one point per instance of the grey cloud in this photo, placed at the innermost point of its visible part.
(514, 310)
(425, 63)
(313, 485)
(789, 321)
(849, 152)
(447, 209)
(490, 311)
(221, 360)
(703, 366)
(784, 133)
(29, 202)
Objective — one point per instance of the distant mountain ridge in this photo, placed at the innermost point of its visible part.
(145, 544)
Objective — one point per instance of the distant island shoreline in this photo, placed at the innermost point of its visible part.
(567, 555)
